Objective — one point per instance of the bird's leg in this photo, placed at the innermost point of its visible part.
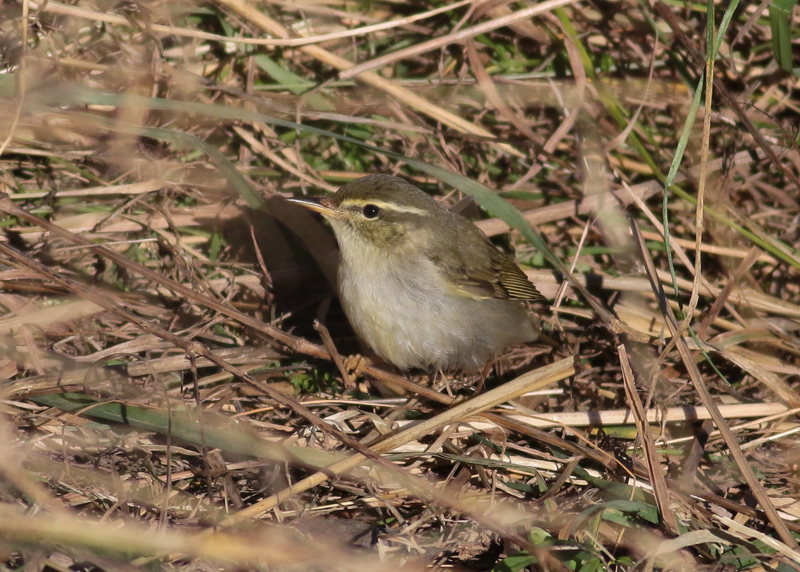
(484, 373)
(348, 379)
(439, 374)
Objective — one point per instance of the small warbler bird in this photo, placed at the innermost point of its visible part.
(422, 286)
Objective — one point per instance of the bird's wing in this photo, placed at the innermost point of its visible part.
(513, 280)
(483, 271)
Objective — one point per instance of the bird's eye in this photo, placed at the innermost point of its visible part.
(371, 211)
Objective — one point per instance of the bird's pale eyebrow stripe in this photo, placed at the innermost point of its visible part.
(383, 205)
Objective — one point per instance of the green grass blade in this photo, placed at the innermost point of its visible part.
(780, 16)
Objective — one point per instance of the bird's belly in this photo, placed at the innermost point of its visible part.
(414, 322)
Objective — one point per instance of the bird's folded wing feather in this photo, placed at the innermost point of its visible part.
(487, 274)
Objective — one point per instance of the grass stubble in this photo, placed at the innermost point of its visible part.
(167, 402)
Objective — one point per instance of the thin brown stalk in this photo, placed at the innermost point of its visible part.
(660, 490)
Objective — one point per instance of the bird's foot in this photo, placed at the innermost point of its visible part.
(356, 364)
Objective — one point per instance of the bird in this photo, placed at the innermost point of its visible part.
(421, 285)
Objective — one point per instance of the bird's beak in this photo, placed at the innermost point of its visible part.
(322, 206)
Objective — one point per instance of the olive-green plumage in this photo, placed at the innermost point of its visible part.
(423, 287)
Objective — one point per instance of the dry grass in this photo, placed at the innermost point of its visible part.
(168, 402)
